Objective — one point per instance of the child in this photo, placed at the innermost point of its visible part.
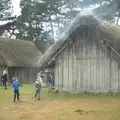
(51, 85)
(15, 86)
(39, 84)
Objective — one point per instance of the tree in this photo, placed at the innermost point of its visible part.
(107, 10)
(5, 9)
(37, 15)
(5, 15)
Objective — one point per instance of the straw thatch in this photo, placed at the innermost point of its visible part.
(100, 29)
(18, 53)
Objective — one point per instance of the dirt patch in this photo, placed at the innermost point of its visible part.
(81, 112)
(59, 110)
(74, 108)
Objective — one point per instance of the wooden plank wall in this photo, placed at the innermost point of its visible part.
(87, 66)
(25, 75)
(56, 75)
(0, 74)
(70, 67)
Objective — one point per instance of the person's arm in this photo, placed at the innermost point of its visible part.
(50, 76)
(20, 85)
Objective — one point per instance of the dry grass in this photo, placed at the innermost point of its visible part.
(56, 106)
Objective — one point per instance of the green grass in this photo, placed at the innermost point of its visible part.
(7, 95)
(58, 106)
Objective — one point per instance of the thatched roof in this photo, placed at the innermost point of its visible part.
(18, 53)
(105, 31)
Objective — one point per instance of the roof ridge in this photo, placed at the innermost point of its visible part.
(86, 12)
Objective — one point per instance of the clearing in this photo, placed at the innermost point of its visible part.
(58, 106)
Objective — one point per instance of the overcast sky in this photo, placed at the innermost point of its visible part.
(16, 7)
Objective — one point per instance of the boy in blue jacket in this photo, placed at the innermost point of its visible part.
(15, 86)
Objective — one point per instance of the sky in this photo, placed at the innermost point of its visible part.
(16, 8)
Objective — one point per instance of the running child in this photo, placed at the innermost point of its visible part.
(15, 86)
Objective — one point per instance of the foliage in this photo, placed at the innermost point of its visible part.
(104, 9)
(45, 20)
(5, 9)
(39, 19)
(36, 15)
(5, 14)
(108, 10)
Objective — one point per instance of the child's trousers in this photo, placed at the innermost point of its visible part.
(37, 94)
(5, 84)
(16, 95)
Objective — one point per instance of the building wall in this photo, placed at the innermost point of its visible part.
(87, 66)
(25, 75)
(1, 68)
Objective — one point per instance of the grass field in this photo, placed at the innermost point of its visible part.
(58, 106)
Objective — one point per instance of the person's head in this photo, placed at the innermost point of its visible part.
(3, 68)
(13, 79)
(16, 80)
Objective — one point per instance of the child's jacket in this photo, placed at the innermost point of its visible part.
(16, 85)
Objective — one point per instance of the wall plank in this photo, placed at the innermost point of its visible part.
(74, 69)
(70, 68)
(60, 66)
(56, 75)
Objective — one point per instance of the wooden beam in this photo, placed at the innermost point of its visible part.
(54, 57)
(112, 48)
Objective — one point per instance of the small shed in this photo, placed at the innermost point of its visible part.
(20, 58)
(86, 57)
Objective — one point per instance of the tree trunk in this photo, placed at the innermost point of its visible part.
(57, 21)
(58, 24)
(52, 28)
